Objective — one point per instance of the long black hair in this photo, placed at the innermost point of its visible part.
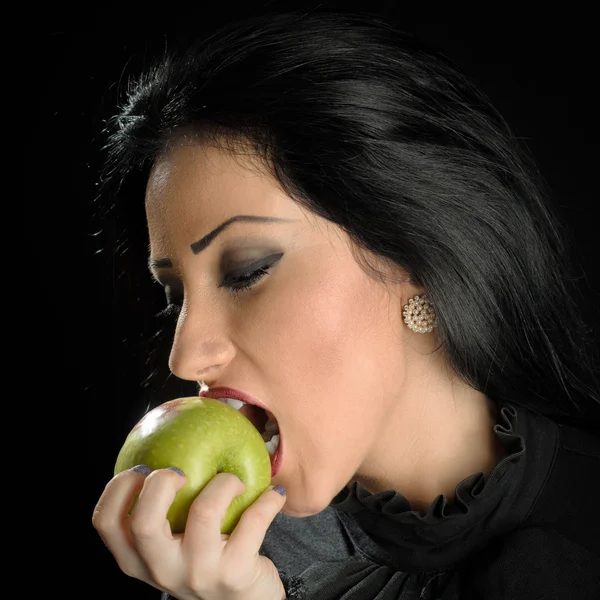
(382, 135)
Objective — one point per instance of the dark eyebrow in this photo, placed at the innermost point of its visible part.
(203, 243)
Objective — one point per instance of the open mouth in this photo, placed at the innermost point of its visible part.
(256, 415)
(264, 422)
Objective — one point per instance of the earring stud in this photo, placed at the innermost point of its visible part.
(419, 315)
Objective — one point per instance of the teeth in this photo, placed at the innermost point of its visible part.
(237, 404)
(272, 445)
(271, 433)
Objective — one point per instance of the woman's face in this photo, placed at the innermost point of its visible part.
(315, 340)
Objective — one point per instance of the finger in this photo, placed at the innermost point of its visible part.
(150, 529)
(111, 519)
(203, 539)
(249, 534)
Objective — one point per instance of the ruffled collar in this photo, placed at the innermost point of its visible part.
(384, 526)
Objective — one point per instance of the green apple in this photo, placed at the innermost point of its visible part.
(202, 437)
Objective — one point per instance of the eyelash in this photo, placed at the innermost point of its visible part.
(236, 285)
(246, 281)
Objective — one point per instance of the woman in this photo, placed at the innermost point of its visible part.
(350, 234)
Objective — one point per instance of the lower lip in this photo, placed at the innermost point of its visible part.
(276, 460)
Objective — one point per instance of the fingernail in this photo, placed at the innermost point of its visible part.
(279, 489)
(143, 469)
(178, 471)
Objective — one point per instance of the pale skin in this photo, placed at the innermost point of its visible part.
(356, 393)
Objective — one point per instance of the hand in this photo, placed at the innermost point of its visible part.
(202, 563)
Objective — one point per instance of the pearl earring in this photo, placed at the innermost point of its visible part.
(419, 315)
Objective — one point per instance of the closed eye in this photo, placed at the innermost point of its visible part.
(236, 282)
(244, 279)
(245, 282)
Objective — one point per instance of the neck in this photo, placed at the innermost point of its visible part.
(430, 445)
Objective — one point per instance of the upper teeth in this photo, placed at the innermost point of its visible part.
(237, 404)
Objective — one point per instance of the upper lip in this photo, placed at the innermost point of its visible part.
(227, 392)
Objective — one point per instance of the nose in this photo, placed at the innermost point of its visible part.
(201, 347)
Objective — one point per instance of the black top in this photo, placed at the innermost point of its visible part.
(531, 531)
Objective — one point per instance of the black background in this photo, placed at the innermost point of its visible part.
(540, 75)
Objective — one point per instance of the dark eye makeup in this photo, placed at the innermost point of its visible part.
(236, 281)
(243, 279)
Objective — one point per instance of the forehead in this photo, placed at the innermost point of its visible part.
(190, 180)
(193, 187)
(192, 170)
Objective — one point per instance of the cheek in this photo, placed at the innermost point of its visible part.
(318, 321)
(319, 334)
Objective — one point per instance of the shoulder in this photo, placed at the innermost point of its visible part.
(569, 500)
(533, 564)
(579, 441)
(554, 553)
